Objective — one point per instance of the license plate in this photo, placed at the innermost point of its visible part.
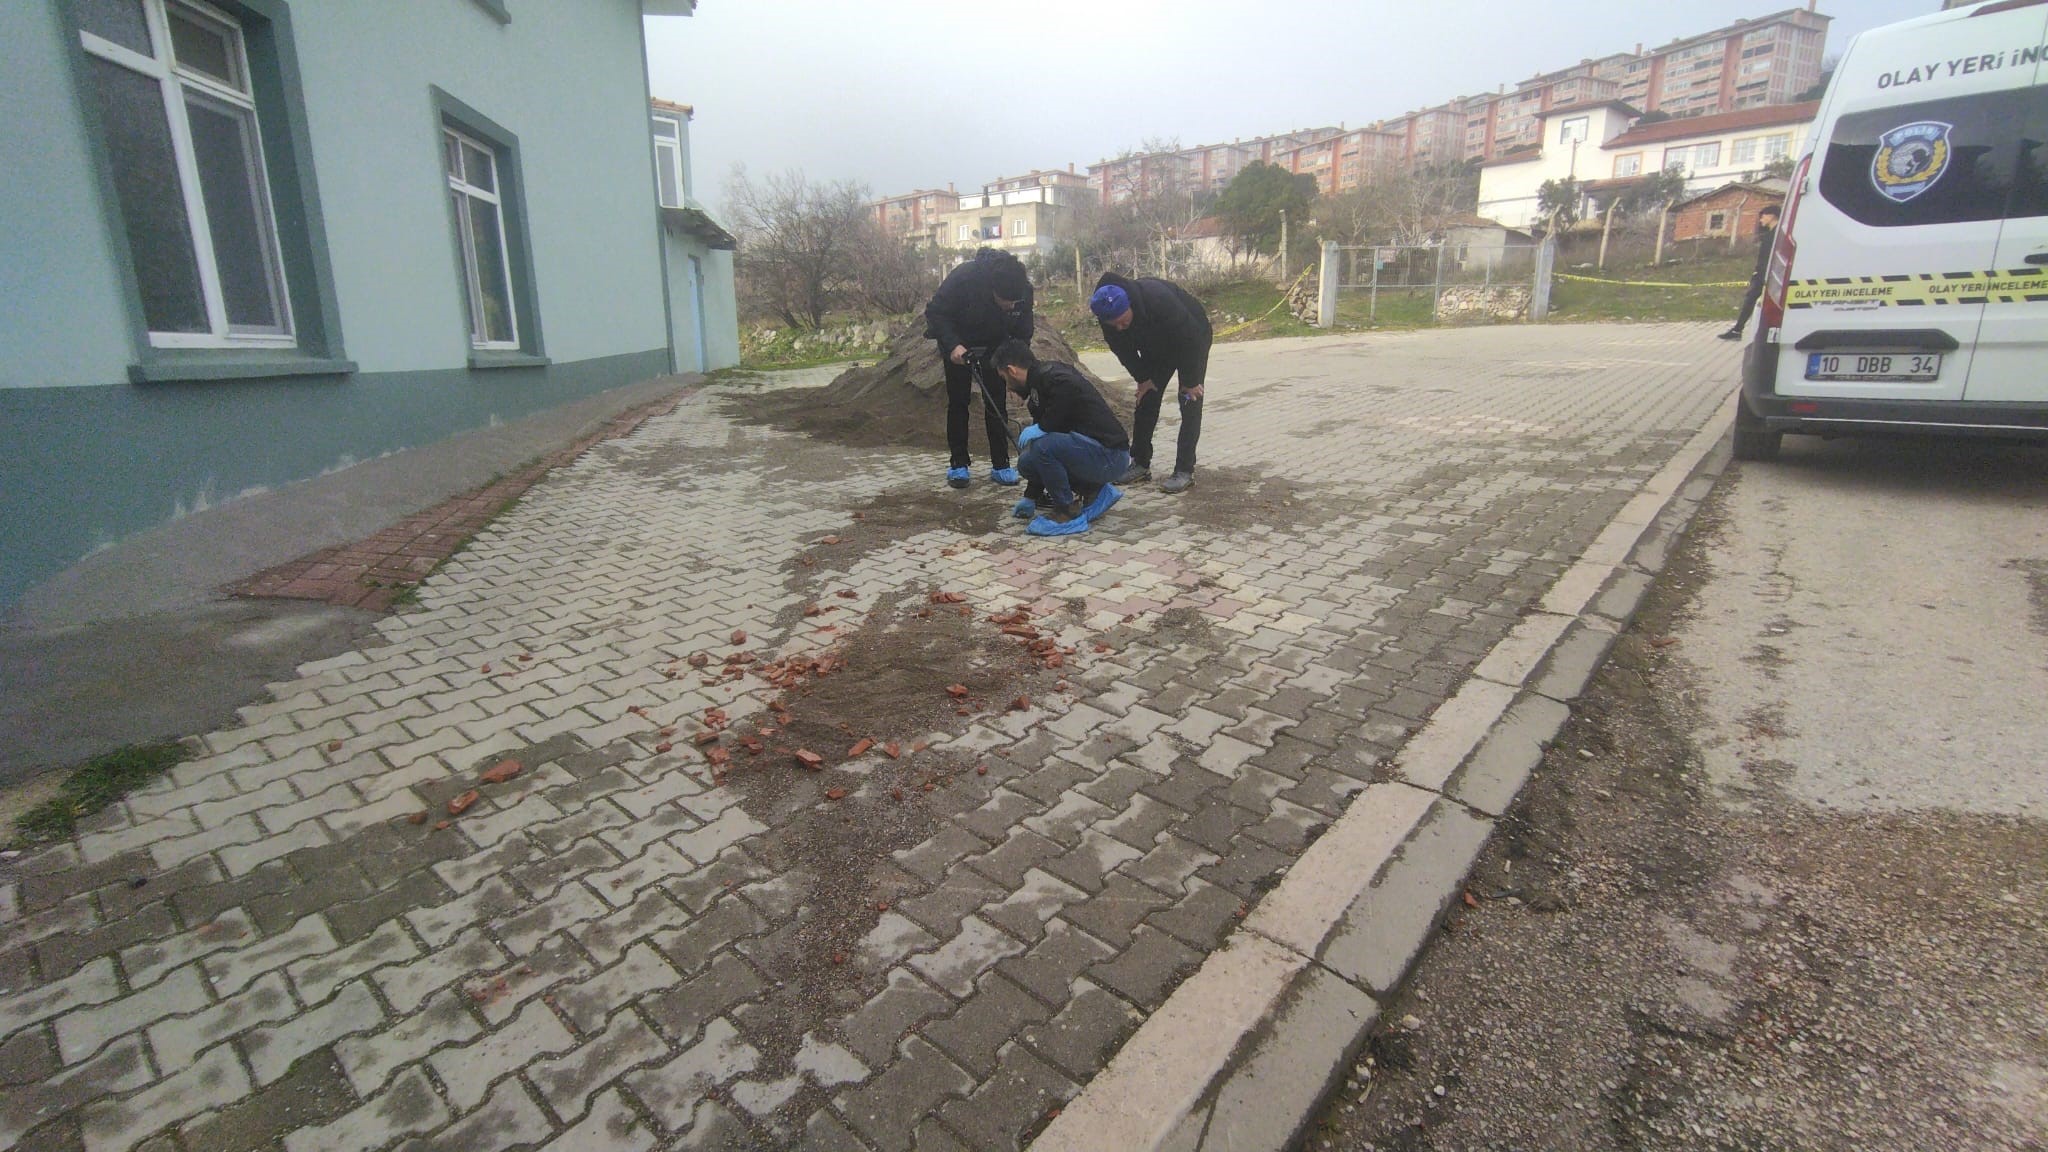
(1873, 365)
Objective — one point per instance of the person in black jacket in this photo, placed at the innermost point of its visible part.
(1766, 233)
(1082, 445)
(1157, 329)
(982, 303)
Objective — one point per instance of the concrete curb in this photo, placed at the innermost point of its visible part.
(1242, 1054)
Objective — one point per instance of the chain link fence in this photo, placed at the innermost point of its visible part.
(1481, 279)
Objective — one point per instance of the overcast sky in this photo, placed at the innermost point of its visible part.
(904, 94)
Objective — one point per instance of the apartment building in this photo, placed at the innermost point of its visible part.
(914, 213)
(1206, 167)
(1020, 214)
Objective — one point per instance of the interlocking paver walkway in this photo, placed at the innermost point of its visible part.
(612, 948)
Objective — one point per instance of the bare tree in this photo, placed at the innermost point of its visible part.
(889, 274)
(796, 241)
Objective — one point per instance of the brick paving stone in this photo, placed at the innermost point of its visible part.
(1006, 1110)
(369, 1061)
(1107, 848)
(409, 1106)
(273, 1049)
(1151, 967)
(673, 1089)
(83, 1032)
(886, 1110)
(213, 1080)
(468, 1071)
(32, 1104)
(875, 1030)
(313, 1092)
(997, 1011)
(683, 1010)
(508, 1117)
(566, 1082)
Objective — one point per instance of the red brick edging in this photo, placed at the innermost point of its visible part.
(372, 573)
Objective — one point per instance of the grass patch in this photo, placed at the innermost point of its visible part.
(1638, 292)
(94, 785)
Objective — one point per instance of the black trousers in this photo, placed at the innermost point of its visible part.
(1749, 299)
(960, 390)
(1192, 374)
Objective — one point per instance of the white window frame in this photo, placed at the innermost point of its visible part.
(1677, 158)
(466, 237)
(174, 81)
(674, 147)
(1706, 155)
(1575, 124)
(1776, 146)
(1745, 150)
(1021, 226)
(1629, 165)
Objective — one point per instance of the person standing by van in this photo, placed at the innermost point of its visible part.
(1767, 234)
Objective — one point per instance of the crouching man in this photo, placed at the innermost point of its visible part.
(1080, 446)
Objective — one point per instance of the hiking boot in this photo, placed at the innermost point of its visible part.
(957, 477)
(1007, 477)
(1177, 483)
(1732, 334)
(1136, 474)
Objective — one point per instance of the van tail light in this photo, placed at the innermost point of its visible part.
(1778, 273)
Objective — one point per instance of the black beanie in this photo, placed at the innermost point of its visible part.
(1009, 280)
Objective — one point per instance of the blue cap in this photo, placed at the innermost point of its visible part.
(1109, 302)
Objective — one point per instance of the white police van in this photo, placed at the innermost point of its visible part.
(1907, 289)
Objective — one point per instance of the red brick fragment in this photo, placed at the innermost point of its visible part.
(523, 657)
(848, 594)
(963, 711)
(739, 636)
(835, 793)
(487, 669)
(829, 540)
(862, 746)
(957, 691)
(706, 737)
(663, 747)
(700, 659)
(502, 771)
(839, 957)
(894, 750)
(809, 759)
(981, 769)
(896, 793)
(1101, 648)
(443, 825)
(919, 746)
(1021, 704)
(717, 755)
(668, 731)
(462, 803)
(948, 598)
(417, 818)
(881, 905)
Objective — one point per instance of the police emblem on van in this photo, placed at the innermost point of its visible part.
(1910, 158)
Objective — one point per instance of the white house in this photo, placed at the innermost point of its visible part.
(1570, 147)
(1712, 150)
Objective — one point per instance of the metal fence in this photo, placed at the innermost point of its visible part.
(1481, 279)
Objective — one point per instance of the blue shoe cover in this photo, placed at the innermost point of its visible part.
(1047, 526)
(1004, 476)
(1025, 509)
(1104, 499)
(957, 477)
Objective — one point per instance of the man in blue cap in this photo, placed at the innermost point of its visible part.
(1157, 330)
(982, 303)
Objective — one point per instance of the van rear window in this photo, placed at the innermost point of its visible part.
(1941, 161)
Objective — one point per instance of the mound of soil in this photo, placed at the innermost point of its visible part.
(900, 400)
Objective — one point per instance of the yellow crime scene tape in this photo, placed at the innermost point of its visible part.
(2019, 285)
(1268, 312)
(1650, 283)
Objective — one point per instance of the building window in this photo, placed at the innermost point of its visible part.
(1707, 155)
(1717, 221)
(966, 232)
(1019, 228)
(474, 192)
(1776, 146)
(1630, 165)
(1573, 129)
(1745, 151)
(179, 115)
(668, 161)
(1677, 158)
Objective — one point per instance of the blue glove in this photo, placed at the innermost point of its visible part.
(1031, 432)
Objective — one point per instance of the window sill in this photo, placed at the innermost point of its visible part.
(507, 360)
(229, 366)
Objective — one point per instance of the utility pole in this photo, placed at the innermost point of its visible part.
(1283, 245)
(1078, 289)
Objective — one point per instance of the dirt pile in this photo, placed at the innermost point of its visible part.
(901, 399)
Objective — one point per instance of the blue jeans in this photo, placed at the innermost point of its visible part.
(1064, 461)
